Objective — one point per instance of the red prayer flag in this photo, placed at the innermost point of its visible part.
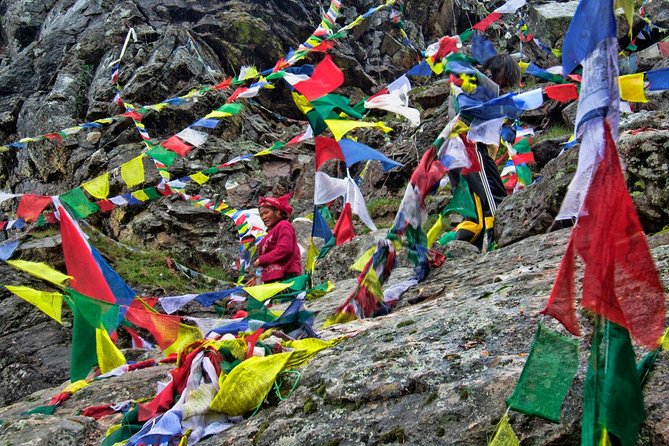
(176, 145)
(486, 22)
(105, 205)
(236, 93)
(31, 206)
(562, 92)
(81, 265)
(327, 77)
(223, 85)
(620, 281)
(428, 173)
(327, 149)
(664, 48)
(134, 115)
(523, 158)
(343, 230)
(447, 45)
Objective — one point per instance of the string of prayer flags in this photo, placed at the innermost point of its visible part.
(98, 187)
(612, 397)
(632, 88)
(582, 37)
(504, 436)
(31, 206)
(41, 270)
(77, 201)
(340, 127)
(48, 302)
(326, 78)
(548, 373)
(633, 297)
(132, 171)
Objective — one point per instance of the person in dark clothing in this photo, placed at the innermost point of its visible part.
(486, 186)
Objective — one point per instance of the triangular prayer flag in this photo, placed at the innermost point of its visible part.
(487, 21)
(140, 195)
(98, 186)
(41, 270)
(355, 152)
(340, 127)
(320, 227)
(132, 171)
(49, 303)
(632, 88)
(109, 356)
(31, 206)
(343, 230)
(263, 292)
(87, 278)
(327, 77)
(327, 149)
(504, 436)
(364, 258)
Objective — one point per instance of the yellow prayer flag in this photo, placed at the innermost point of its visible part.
(159, 106)
(631, 88)
(523, 66)
(340, 127)
(187, 335)
(359, 264)
(664, 340)
(109, 356)
(49, 303)
(132, 172)
(267, 290)
(76, 386)
(305, 349)
(247, 73)
(435, 231)
(98, 187)
(312, 253)
(458, 129)
(41, 270)
(199, 178)
(628, 9)
(505, 436)
(141, 195)
(302, 103)
(218, 114)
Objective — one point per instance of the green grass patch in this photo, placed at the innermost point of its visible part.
(383, 206)
(554, 131)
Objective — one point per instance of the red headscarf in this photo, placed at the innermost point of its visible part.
(280, 203)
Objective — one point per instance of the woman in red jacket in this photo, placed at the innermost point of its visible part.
(279, 254)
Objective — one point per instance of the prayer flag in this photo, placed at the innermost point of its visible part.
(77, 201)
(632, 88)
(132, 172)
(612, 396)
(31, 206)
(487, 21)
(41, 270)
(658, 79)
(193, 137)
(49, 303)
(176, 145)
(327, 77)
(504, 436)
(562, 92)
(109, 356)
(263, 292)
(548, 373)
(422, 69)
(340, 127)
(582, 37)
(98, 187)
(162, 155)
(327, 149)
(343, 230)
(355, 152)
(320, 227)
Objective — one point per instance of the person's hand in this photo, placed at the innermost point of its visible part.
(256, 263)
(251, 281)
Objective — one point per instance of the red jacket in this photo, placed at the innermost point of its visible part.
(279, 253)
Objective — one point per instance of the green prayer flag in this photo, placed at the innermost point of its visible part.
(316, 122)
(465, 36)
(78, 203)
(462, 202)
(152, 192)
(327, 247)
(129, 427)
(330, 105)
(522, 146)
(299, 282)
(232, 108)
(162, 155)
(548, 373)
(612, 397)
(258, 311)
(43, 410)
(524, 174)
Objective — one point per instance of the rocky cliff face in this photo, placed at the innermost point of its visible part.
(430, 373)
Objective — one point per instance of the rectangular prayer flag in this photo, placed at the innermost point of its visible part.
(658, 79)
(632, 88)
(31, 206)
(327, 77)
(132, 171)
(177, 145)
(77, 201)
(548, 373)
